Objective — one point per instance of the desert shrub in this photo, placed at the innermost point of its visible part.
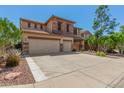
(12, 60)
(100, 53)
(103, 54)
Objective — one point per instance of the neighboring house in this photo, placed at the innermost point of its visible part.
(78, 43)
(55, 35)
(85, 34)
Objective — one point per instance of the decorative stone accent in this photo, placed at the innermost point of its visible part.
(12, 75)
(25, 47)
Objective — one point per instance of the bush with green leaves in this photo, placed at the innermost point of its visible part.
(10, 35)
(100, 53)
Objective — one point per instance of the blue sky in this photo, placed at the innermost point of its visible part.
(82, 14)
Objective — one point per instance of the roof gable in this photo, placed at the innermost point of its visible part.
(53, 16)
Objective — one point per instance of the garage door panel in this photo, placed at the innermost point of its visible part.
(67, 46)
(40, 46)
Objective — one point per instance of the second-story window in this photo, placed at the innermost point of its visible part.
(59, 26)
(29, 25)
(67, 27)
(75, 31)
(35, 26)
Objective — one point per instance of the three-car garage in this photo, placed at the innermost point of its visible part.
(44, 44)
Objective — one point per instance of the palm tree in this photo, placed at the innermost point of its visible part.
(91, 41)
(103, 43)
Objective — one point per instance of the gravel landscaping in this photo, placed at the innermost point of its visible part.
(18, 75)
(109, 55)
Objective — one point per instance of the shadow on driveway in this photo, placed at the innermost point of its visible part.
(56, 54)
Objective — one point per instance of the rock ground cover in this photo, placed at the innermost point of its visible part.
(20, 74)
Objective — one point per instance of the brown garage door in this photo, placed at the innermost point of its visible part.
(41, 46)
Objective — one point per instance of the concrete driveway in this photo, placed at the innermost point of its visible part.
(80, 70)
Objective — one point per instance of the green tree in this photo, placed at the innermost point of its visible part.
(9, 33)
(107, 43)
(91, 41)
(122, 29)
(120, 41)
(103, 24)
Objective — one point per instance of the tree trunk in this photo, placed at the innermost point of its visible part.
(121, 51)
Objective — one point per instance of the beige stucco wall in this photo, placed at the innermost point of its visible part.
(49, 27)
(30, 34)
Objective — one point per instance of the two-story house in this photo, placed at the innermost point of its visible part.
(55, 35)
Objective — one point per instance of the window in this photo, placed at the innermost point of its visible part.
(59, 26)
(35, 26)
(67, 27)
(29, 25)
(75, 31)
